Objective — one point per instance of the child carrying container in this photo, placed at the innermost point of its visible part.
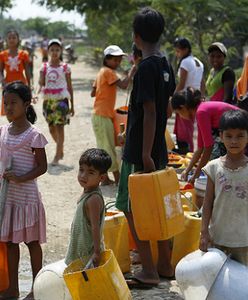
(225, 207)
(23, 214)
(104, 90)
(86, 240)
(145, 146)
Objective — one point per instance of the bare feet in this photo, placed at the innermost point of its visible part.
(149, 278)
(167, 272)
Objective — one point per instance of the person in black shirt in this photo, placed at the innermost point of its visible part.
(145, 147)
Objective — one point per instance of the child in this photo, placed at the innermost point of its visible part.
(190, 73)
(86, 233)
(24, 215)
(221, 78)
(189, 105)
(14, 62)
(145, 147)
(55, 78)
(225, 207)
(104, 90)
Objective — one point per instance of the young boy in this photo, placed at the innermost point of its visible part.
(86, 240)
(145, 147)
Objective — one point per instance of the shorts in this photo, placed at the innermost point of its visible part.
(56, 112)
(105, 138)
(122, 197)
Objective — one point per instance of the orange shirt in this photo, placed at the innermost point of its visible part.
(14, 66)
(105, 92)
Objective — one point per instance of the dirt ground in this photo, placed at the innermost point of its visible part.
(59, 187)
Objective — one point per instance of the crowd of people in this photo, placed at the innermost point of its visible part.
(221, 145)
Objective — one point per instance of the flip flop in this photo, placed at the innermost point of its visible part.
(135, 283)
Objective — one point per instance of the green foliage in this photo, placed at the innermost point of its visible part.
(4, 5)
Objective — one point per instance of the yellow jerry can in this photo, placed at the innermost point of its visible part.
(115, 233)
(101, 283)
(156, 204)
(187, 241)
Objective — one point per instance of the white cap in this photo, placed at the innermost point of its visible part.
(54, 41)
(113, 50)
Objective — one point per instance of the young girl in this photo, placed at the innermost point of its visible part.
(22, 146)
(14, 62)
(188, 104)
(225, 208)
(190, 73)
(104, 90)
(55, 81)
(221, 78)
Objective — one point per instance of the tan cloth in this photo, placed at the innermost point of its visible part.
(229, 221)
(239, 254)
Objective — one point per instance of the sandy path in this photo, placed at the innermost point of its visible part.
(59, 187)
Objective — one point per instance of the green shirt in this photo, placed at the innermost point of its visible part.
(81, 242)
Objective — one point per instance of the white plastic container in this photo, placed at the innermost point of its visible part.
(212, 276)
(231, 282)
(196, 273)
(49, 283)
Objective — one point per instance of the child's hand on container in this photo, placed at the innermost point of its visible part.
(10, 176)
(96, 257)
(205, 240)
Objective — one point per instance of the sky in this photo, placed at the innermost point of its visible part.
(25, 9)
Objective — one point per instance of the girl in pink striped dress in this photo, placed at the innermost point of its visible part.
(23, 216)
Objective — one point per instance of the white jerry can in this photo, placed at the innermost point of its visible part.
(49, 283)
(212, 276)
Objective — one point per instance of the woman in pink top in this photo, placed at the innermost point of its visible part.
(188, 104)
(22, 160)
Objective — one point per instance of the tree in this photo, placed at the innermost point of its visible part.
(109, 21)
(4, 5)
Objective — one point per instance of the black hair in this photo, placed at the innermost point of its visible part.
(136, 52)
(97, 158)
(189, 98)
(234, 119)
(182, 43)
(149, 25)
(15, 32)
(24, 92)
(106, 57)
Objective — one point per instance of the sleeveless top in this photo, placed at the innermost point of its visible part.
(214, 85)
(55, 81)
(81, 242)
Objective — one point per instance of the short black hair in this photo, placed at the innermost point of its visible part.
(97, 158)
(234, 119)
(149, 25)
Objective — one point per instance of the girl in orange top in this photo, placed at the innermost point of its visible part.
(13, 62)
(104, 90)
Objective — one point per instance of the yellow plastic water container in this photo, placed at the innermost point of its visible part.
(187, 241)
(101, 283)
(116, 238)
(156, 204)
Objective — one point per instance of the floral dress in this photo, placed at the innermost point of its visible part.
(56, 94)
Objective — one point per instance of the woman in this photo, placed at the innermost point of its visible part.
(189, 105)
(221, 79)
(190, 73)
